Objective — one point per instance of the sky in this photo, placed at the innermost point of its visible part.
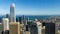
(31, 7)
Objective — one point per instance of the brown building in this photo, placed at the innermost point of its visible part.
(14, 28)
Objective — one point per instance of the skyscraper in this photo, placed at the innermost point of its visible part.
(5, 24)
(57, 28)
(12, 13)
(36, 28)
(14, 28)
(7, 16)
(49, 28)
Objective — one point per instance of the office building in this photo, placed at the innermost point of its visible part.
(49, 28)
(57, 28)
(1, 28)
(39, 26)
(5, 24)
(27, 28)
(12, 13)
(17, 20)
(14, 28)
(23, 19)
(7, 16)
(0, 19)
(36, 28)
(20, 20)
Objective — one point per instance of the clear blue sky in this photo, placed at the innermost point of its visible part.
(31, 7)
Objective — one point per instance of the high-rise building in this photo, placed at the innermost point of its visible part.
(5, 24)
(39, 27)
(7, 15)
(20, 19)
(17, 20)
(36, 28)
(14, 28)
(12, 13)
(57, 28)
(49, 28)
(23, 19)
(0, 19)
(1, 28)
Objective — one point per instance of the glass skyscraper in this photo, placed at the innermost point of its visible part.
(12, 13)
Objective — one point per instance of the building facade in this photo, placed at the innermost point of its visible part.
(14, 28)
(36, 28)
(49, 28)
(5, 24)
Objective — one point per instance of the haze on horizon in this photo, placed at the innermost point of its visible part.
(31, 7)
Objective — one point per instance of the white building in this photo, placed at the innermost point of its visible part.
(39, 27)
(57, 28)
(5, 24)
(36, 28)
(12, 13)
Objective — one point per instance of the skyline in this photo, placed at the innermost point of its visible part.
(31, 7)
